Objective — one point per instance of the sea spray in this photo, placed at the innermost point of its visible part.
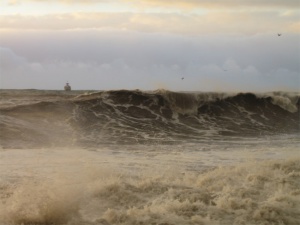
(255, 192)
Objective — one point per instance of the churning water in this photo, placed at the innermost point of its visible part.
(157, 157)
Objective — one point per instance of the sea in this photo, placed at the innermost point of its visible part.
(132, 157)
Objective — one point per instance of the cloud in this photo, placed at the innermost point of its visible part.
(15, 2)
(96, 59)
(215, 45)
(109, 76)
(194, 24)
(229, 4)
(189, 17)
(177, 3)
(102, 46)
(64, 21)
(9, 60)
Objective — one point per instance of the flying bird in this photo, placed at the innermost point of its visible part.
(182, 78)
(279, 35)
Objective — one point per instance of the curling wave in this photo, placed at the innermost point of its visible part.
(133, 116)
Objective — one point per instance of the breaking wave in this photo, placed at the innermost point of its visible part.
(137, 117)
(158, 157)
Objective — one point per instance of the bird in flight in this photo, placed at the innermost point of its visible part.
(182, 78)
(279, 35)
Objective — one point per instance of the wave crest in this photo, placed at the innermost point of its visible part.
(134, 116)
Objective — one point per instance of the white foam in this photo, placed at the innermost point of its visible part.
(229, 183)
(285, 103)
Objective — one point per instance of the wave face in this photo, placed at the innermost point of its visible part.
(34, 118)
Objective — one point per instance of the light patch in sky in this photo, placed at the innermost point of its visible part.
(34, 7)
(54, 7)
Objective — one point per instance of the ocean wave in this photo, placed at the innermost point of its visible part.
(134, 117)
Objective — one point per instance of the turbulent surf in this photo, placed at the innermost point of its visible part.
(135, 117)
(149, 157)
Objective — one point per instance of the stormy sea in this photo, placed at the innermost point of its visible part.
(132, 157)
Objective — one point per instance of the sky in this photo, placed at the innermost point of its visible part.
(220, 46)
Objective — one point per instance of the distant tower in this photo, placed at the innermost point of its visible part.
(67, 87)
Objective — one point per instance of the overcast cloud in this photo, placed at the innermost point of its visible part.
(150, 47)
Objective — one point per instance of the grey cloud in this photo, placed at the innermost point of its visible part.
(119, 75)
(113, 60)
(9, 60)
(141, 49)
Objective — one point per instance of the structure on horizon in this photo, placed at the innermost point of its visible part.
(67, 87)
